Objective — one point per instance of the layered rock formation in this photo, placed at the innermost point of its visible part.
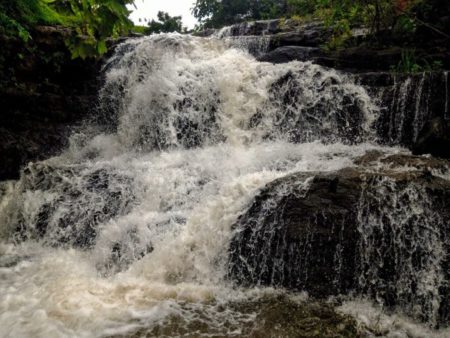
(364, 56)
(408, 102)
(376, 229)
(44, 93)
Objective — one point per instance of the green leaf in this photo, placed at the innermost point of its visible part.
(101, 47)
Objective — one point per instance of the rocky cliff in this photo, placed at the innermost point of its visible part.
(43, 94)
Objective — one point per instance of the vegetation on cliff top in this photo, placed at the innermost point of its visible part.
(91, 22)
(374, 14)
(403, 23)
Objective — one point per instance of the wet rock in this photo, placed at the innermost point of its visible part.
(311, 34)
(404, 161)
(268, 248)
(43, 93)
(247, 28)
(68, 203)
(379, 233)
(365, 59)
(352, 59)
(407, 103)
(267, 316)
(434, 138)
(291, 53)
(260, 27)
(305, 122)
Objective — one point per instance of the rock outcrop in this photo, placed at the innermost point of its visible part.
(361, 55)
(43, 93)
(381, 233)
(408, 103)
(291, 53)
(434, 138)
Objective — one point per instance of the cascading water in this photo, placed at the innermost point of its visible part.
(409, 109)
(405, 224)
(256, 45)
(407, 104)
(252, 37)
(446, 95)
(128, 231)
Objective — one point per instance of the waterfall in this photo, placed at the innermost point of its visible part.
(214, 94)
(132, 223)
(387, 238)
(404, 223)
(235, 36)
(407, 102)
(446, 94)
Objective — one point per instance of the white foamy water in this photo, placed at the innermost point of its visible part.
(187, 201)
(128, 230)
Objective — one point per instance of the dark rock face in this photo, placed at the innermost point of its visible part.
(382, 234)
(407, 105)
(434, 138)
(312, 34)
(43, 92)
(291, 53)
(363, 59)
(363, 53)
(359, 58)
(298, 224)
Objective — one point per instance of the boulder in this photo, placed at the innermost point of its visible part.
(381, 233)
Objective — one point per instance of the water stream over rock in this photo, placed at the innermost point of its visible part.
(135, 230)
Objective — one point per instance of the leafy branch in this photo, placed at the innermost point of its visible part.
(92, 21)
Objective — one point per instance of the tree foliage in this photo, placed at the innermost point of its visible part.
(92, 21)
(165, 24)
(16, 17)
(217, 13)
(379, 16)
(383, 18)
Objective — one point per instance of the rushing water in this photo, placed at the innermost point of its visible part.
(127, 232)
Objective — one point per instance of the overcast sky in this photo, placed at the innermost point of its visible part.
(149, 8)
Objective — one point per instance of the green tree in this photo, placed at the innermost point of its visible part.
(217, 13)
(94, 21)
(302, 7)
(165, 24)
